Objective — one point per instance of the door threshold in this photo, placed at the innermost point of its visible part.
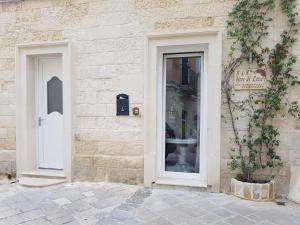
(181, 182)
(39, 182)
(45, 173)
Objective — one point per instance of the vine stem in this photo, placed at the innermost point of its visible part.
(263, 123)
(235, 131)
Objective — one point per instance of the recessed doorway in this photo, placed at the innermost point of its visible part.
(173, 167)
(44, 113)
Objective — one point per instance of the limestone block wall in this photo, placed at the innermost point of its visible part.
(108, 50)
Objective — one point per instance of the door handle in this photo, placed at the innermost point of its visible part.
(40, 121)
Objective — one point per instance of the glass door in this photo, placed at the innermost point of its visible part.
(182, 88)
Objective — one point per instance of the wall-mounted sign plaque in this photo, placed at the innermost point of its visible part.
(250, 79)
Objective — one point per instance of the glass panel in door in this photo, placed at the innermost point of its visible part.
(182, 113)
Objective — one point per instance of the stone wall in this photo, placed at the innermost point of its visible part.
(108, 47)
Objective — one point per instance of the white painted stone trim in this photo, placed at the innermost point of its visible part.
(298, 11)
(212, 38)
(25, 150)
(294, 193)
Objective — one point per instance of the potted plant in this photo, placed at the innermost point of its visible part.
(252, 112)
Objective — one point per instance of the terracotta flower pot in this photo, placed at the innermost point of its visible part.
(253, 191)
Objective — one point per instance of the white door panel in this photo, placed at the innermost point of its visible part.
(50, 113)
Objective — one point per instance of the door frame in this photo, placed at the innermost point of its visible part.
(208, 41)
(26, 132)
(161, 101)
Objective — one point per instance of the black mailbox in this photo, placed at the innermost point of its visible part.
(122, 105)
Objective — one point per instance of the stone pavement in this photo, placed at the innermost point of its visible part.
(119, 204)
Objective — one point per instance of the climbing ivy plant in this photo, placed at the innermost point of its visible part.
(248, 27)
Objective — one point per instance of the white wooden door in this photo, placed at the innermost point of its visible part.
(50, 113)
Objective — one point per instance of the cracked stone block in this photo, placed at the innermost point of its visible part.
(256, 191)
(62, 201)
(88, 194)
(33, 214)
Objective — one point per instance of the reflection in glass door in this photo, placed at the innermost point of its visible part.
(182, 91)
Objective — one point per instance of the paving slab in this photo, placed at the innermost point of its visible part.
(83, 203)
